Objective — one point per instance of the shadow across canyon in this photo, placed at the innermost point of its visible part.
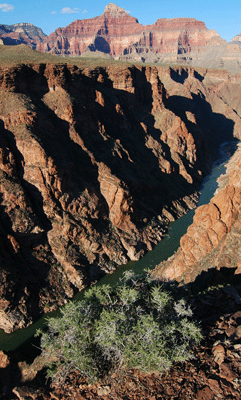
(86, 123)
(215, 127)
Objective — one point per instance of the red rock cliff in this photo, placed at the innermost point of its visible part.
(110, 33)
(94, 163)
(117, 33)
(23, 33)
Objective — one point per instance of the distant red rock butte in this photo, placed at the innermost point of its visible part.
(117, 33)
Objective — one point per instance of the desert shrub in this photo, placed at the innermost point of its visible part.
(137, 324)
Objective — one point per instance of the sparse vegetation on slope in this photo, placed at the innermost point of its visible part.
(23, 54)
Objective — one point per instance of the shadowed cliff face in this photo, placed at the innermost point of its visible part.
(94, 164)
(213, 239)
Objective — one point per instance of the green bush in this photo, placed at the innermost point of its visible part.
(137, 324)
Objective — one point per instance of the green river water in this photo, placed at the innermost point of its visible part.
(23, 339)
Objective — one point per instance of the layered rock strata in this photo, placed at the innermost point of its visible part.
(173, 38)
(213, 239)
(109, 33)
(117, 33)
(94, 164)
(23, 33)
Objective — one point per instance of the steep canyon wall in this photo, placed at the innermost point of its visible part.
(212, 242)
(94, 164)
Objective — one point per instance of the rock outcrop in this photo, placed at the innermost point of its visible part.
(116, 33)
(23, 33)
(109, 33)
(236, 38)
(94, 164)
(174, 37)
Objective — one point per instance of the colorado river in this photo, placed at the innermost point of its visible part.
(161, 252)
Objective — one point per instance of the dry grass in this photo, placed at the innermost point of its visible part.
(22, 54)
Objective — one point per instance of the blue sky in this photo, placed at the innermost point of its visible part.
(222, 15)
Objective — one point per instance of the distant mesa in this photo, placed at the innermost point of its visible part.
(23, 33)
(184, 41)
(115, 33)
(126, 37)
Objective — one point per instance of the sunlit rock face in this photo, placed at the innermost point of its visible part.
(117, 33)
